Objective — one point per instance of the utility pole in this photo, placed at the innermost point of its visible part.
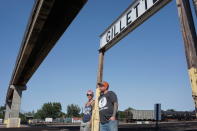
(190, 43)
(95, 114)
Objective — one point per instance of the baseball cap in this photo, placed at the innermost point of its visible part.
(104, 83)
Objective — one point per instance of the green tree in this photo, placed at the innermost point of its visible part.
(39, 114)
(63, 115)
(23, 118)
(121, 115)
(128, 114)
(73, 110)
(2, 109)
(129, 109)
(52, 110)
(171, 110)
(30, 114)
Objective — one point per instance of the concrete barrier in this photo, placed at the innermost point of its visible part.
(13, 122)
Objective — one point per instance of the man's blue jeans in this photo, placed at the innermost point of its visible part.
(109, 126)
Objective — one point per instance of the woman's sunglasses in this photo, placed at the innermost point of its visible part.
(89, 94)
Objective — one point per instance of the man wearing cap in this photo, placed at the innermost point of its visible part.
(108, 108)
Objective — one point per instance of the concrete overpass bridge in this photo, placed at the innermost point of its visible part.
(48, 21)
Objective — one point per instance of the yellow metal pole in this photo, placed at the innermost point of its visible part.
(193, 78)
(95, 114)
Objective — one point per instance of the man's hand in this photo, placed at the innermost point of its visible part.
(112, 118)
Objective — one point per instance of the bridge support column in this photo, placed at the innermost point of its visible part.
(7, 112)
(13, 106)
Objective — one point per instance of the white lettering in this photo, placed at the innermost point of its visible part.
(134, 12)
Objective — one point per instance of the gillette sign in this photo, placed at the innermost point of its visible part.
(133, 16)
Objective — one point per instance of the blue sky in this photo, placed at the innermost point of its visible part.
(148, 66)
